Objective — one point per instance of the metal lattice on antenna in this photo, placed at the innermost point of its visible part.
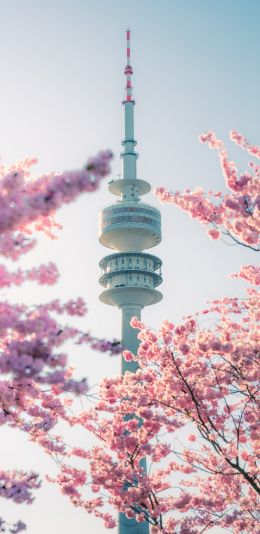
(128, 69)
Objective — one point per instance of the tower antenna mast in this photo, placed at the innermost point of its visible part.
(128, 68)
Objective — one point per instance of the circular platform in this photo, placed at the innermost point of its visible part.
(117, 186)
(121, 296)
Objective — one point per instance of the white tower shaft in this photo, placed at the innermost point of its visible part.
(131, 342)
(129, 155)
(129, 334)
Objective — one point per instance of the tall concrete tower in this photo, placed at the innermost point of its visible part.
(129, 275)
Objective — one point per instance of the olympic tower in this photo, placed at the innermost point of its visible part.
(128, 227)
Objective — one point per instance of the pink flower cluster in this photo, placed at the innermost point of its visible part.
(235, 214)
(250, 273)
(28, 204)
(17, 485)
(23, 200)
(44, 274)
(30, 338)
(243, 143)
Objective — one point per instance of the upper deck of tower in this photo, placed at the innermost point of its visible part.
(129, 224)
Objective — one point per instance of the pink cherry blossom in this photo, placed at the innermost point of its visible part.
(213, 233)
(243, 143)
(250, 273)
(234, 214)
(18, 485)
(23, 200)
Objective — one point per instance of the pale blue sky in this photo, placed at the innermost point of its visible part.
(196, 66)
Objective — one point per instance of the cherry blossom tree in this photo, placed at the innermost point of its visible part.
(200, 388)
(191, 407)
(33, 370)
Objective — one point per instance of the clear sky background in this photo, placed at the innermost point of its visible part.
(196, 67)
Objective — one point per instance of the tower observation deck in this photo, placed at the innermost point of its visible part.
(130, 276)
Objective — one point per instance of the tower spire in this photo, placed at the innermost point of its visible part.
(130, 187)
(128, 69)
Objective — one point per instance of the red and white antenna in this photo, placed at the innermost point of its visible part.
(128, 69)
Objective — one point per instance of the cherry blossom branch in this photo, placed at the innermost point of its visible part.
(235, 213)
